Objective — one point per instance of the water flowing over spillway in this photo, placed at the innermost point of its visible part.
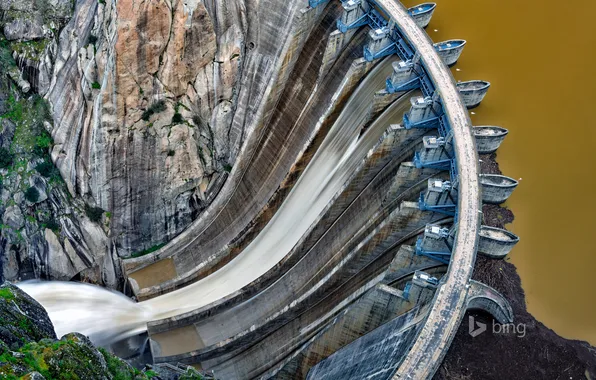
(107, 316)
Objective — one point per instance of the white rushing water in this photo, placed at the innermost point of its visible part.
(106, 316)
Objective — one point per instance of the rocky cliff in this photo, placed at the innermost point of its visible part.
(141, 95)
(143, 108)
(44, 231)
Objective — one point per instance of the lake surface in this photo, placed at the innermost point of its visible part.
(540, 59)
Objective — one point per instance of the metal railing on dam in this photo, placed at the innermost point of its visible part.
(448, 307)
(409, 41)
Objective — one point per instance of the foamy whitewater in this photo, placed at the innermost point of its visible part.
(107, 316)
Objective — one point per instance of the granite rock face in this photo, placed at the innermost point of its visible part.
(45, 233)
(141, 95)
(151, 106)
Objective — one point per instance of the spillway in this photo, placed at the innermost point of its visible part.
(342, 150)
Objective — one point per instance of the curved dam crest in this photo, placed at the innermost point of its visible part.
(512, 58)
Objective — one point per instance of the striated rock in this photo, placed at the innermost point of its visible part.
(142, 144)
(63, 264)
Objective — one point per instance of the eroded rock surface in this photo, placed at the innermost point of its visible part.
(141, 93)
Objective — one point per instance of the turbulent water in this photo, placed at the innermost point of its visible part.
(107, 316)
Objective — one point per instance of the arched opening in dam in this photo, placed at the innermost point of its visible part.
(546, 104)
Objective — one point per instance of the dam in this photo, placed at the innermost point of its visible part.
(343, 241)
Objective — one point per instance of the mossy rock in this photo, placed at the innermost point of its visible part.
(22, 319)
(29, 348)
(71, 358)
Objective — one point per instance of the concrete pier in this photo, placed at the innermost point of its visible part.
(422, 13)
(379, 41)
(496, 188)
(489, 138)
(404, 76)
(440, 196)
(483, 297)
(496, 242)
(450, 51)
(433, 154)
(473, 92)
(424, 113)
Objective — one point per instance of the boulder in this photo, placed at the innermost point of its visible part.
(39, 183)
(60, 266)
(25, 30)
(13, 217)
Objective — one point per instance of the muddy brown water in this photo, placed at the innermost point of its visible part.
(539, 57)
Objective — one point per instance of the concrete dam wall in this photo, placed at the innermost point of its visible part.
(342, 242)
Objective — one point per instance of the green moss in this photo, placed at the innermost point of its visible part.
(190, 374)
(116, 367)
(95, 85)
(6, 294)
(28, 116)
(94, 213)
(227, 167)
(156, 107)
(32, 50)
(148, 250)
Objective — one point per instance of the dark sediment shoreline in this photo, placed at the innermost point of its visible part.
(538, 354)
